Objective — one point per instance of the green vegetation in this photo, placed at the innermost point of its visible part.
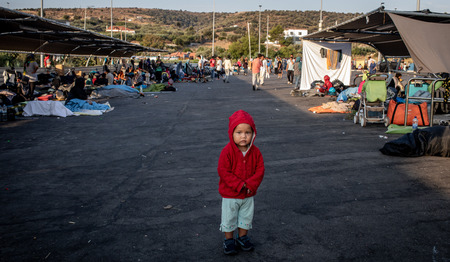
(178, 30)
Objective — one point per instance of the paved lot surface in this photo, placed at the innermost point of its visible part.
(95, 188)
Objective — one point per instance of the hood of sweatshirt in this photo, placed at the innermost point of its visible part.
(237, 118)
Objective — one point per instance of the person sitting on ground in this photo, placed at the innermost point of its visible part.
(129, 79)
(138, 79)
(326, 86)
(169, 86)
(9, 77)
(101, 80)
(77, 91)
(109, 77)
(397, 79)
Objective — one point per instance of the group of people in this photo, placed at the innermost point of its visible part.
(261, 67)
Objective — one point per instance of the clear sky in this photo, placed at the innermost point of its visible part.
(346, 6)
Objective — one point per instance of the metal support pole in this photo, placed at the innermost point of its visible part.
(214, 18)
(259, 31)
(249, 44)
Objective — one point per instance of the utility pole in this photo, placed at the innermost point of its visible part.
(42, 15)
(126, 29)
(111, 19)
(249, 45)
(321, 20)
(259, 31)
(214, 18)
(267, 37)
(418, 5)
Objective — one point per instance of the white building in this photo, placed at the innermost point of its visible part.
(295, 33)
(120, 29)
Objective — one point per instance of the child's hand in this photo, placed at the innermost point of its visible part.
(249, 191)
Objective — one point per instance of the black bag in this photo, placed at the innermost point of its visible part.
(431, 141)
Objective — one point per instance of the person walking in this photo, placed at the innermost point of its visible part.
(245, 66)
(228, 69)
(290, 70)
(212, 67)
(297, 72)
(241, 171)
(263, 70)
(279, 67)
(219, 67)
(256, 68)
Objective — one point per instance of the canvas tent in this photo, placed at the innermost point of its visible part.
(22, 32)
(324, 58)
(423, 35)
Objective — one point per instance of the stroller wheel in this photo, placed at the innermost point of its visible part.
(355, 118)
(386, 121)
(363, 121)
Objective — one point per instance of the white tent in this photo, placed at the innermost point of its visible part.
(325, 58)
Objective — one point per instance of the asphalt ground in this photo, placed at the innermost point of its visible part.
(140, 183)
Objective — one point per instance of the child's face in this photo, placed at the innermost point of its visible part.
(242, 135)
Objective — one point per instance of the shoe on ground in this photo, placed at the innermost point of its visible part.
(229, 247)
(224, 80)
(253, 88)
(228, 81)
(244, 243)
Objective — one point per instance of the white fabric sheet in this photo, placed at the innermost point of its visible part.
(314, 67)
(46, 108)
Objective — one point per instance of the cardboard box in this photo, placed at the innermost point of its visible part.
(59, 69)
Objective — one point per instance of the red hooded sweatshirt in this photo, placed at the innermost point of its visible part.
(234, 169)
(327, 85)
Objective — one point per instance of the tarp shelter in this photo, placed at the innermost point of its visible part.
(22, 32)
(423, 35)
(323, 58)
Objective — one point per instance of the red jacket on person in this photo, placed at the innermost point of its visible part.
(327, 85)
(234, 169)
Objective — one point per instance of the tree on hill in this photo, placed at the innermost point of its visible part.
(153, 41)
(276, 33)
(240, 47)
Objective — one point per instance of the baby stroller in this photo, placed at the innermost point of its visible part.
(371, 106)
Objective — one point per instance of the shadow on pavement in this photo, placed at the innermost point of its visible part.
(140, 183)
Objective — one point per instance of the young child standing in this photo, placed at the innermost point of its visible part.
(241, 171)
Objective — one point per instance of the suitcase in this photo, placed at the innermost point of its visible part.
(396, 113)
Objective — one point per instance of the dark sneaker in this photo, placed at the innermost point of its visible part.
(244, 243)
(229, 247)
(253, 88)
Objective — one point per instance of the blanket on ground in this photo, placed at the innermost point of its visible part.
(331, 107)
(46, 108)
(347, 93)
(122, 87)
(77, 105)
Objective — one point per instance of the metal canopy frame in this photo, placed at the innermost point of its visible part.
(24, 32)
(376, 29)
